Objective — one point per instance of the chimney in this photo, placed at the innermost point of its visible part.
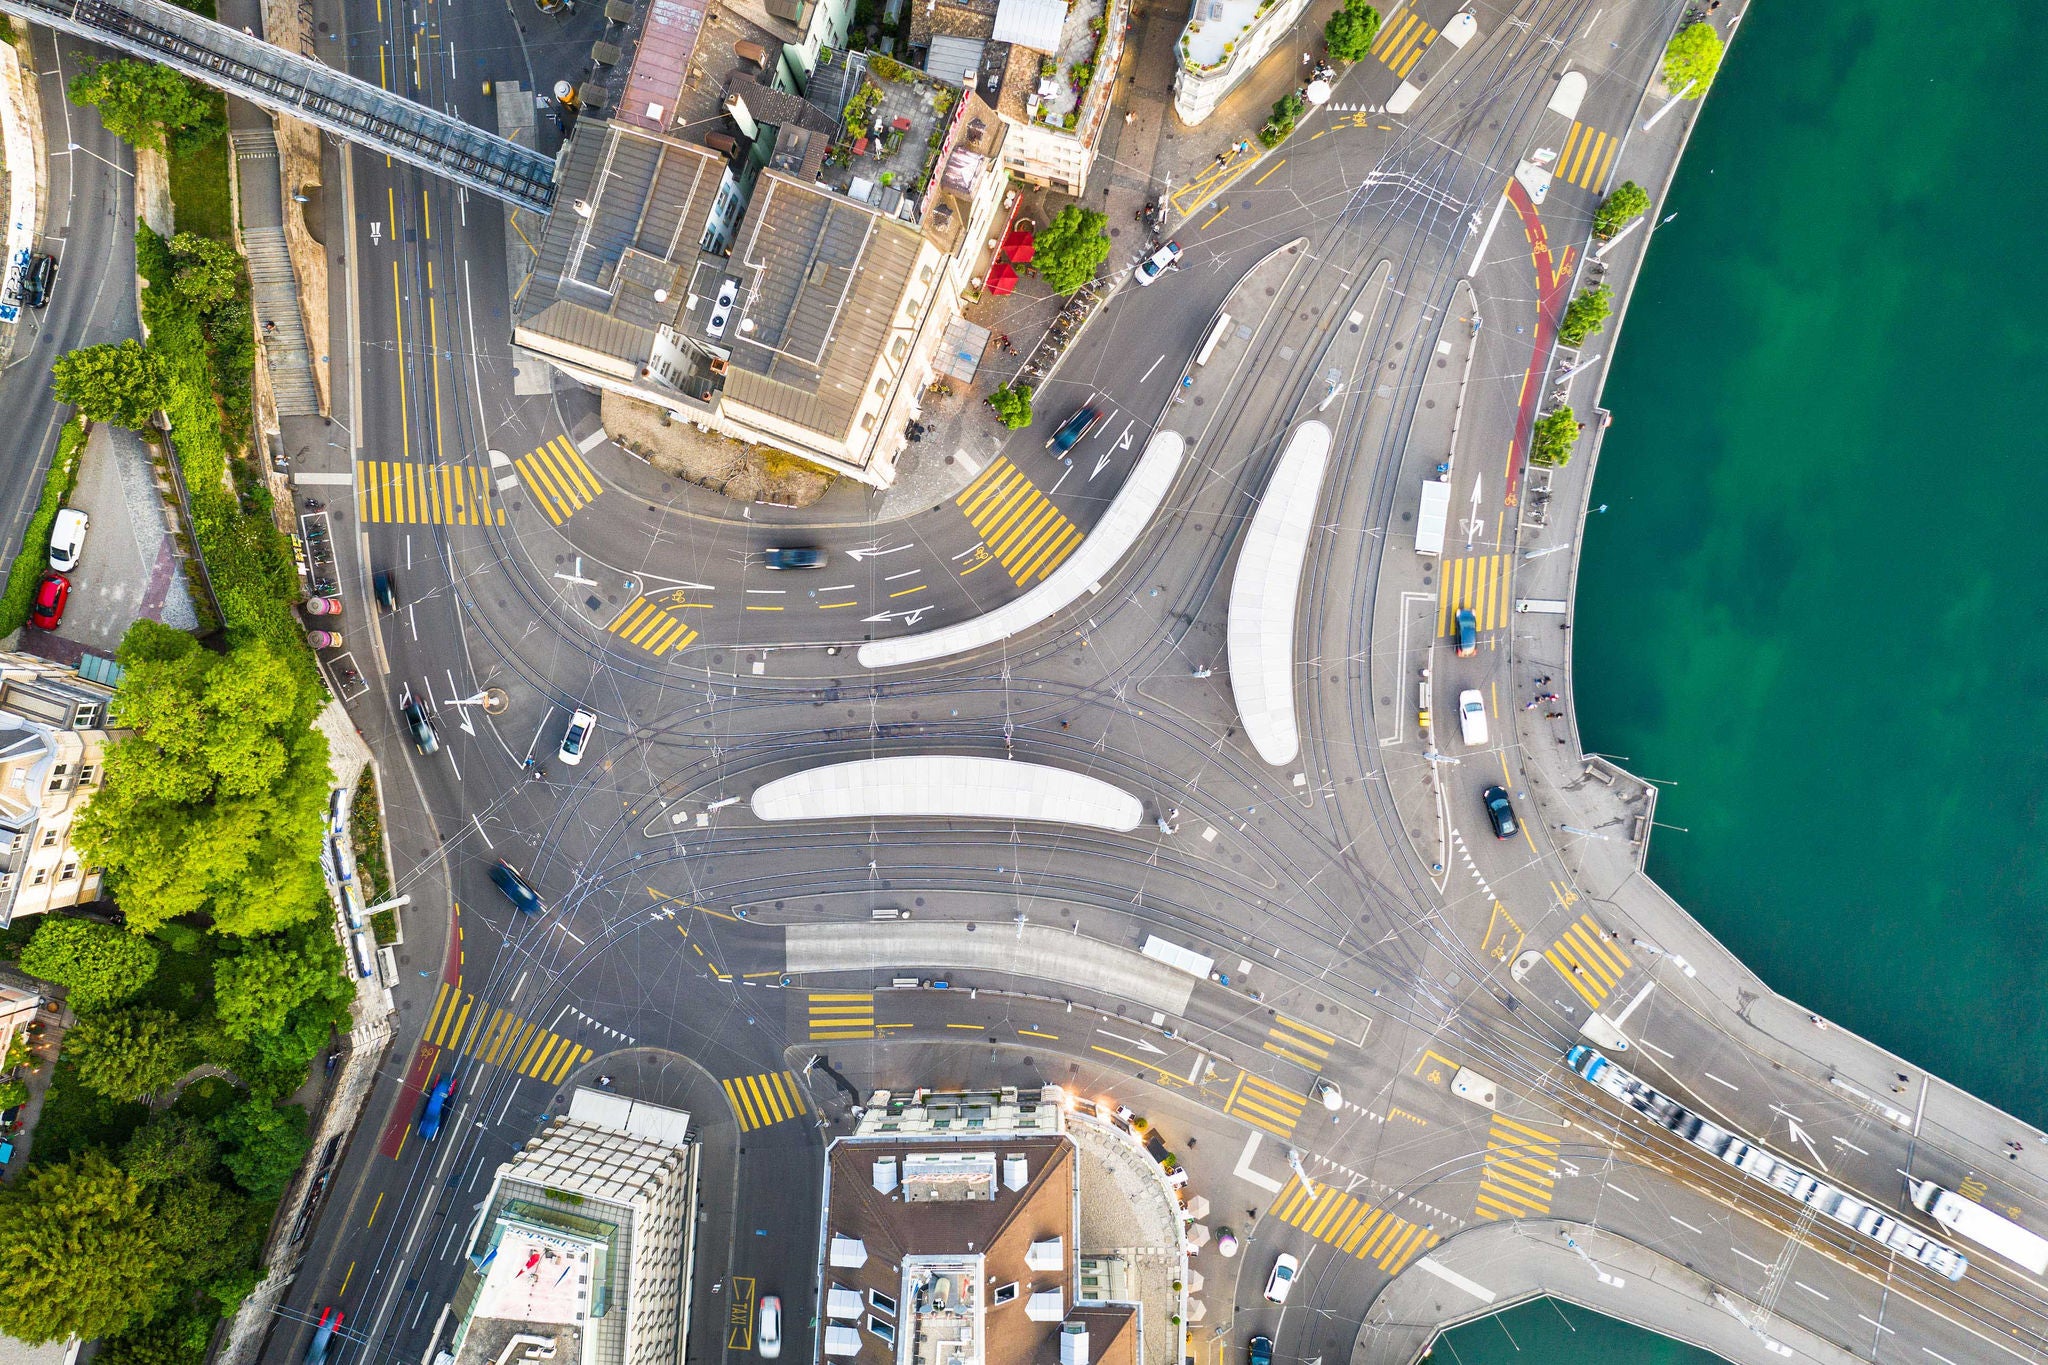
(749, 51)
(736, 108)
(885, 1174)
(1016, 1167)
(721, 142)
(1074, 1343)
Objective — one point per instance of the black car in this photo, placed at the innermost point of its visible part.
(1499, 811)
(418, 723)
(37, 278)
(794, 557)
(523, 897)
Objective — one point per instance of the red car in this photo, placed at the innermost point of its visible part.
(51, 595)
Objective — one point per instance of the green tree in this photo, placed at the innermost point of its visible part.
(77, 1253)
(280, 999)
(1584, 315)
(213, 805)
(1070, 248)
(166, 1339)
(1628, 201)
(97, 964)
(1287, 111)
(141, 102)
(1013, 405)
(1556, 434)
(122, 383)
(13, 1093)
(171, 1148)
(265, 1145)
(209, 273)
(1693, 55)
(1350, 32)
(204, 1228)
(128, 1053)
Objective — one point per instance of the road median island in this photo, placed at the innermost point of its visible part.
(947, 787)
(1032, 951)
(1128, 516)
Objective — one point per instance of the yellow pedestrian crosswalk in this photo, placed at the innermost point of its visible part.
(1019, 525)
(1299, 1043)
(1353, 1226)
(1590, 958)
(404, 491)
(758, 1101)
(1587, 157)
(558, 479)
(498, 1037)
(844, 1014)
(1402, 42)
(1480, 582)
(1263, 1104)
(648, 625)
(1521, 1171)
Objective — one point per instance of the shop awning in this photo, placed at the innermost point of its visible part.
(1002, 278)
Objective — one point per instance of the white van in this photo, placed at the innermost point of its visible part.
(1472, 718)
(67, 539)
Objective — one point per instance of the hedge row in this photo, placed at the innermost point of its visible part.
(28, 566)
(247, 558)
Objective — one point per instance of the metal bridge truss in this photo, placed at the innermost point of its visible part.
(288, 83)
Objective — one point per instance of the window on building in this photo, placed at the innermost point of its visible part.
(39, 876)
(86, 717)
(49, 838)
(867, 421)
(899, 349)
(884, 1329)
(86, 773)
(882, 1302)
(882, 386)
(1005, 1292)
(925, 275)
(70, 872)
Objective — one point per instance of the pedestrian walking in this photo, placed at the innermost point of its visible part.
(1818, 1022)
(1553, 715)
(1531, 706)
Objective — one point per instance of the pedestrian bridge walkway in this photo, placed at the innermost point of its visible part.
(288, 83)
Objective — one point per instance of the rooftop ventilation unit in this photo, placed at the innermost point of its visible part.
(1016, 1171)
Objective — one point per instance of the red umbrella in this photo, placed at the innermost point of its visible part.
(1002, 279)
(1020, 247)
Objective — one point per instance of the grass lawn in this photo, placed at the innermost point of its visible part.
(199, 190)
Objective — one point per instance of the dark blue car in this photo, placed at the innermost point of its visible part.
(1069, 435)
(515, 888)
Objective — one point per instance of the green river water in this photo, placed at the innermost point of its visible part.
(1813, 609)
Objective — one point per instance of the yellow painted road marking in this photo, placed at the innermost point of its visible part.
(559, 480)
(1587, 157)
(498, 1037)
(1479, 583)
(1299, 1043)
(1019, 525)
(1589, 960)
(1269, 171)
(1402, 42)
(769, 1098)
(1263, 1104)
(405, 492)
(1519, 1180)
(1353, 1226)
(1190, 198)
(842, 1015)
(646, 625)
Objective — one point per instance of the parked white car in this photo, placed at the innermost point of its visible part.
(67, 539)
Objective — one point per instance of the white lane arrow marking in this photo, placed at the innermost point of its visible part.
(1138, 1043)
(1123, 442)
(908, 618)
(1799, 1136)
(870, 552)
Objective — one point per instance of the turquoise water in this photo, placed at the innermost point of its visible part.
(1551, 1333)
(1814, 606)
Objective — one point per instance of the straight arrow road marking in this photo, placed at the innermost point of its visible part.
(1138, 1043)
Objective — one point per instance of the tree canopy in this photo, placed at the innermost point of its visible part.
(214, 804)
(1584, 315)
(1070, 248)
(130, 1052)
(1628, 200)
(171, 1148)
(123, 383)
(1556, 433)
(97, 964)
(78, 1256)
(1013, 405)
(208, 273)
(1349, 33)
(265, 1144)
(141, 102)
(1693, 55)
(280, 997)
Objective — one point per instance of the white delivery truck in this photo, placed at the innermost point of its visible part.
(1429, 520)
